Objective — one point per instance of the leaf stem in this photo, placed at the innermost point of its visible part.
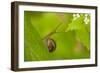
(51, 33)
(54, 31)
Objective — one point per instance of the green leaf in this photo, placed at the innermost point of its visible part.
(76, 25)
(84, 37)
(46, 23)
(34, 47)
(63, 26)
(81, 31)
(65, 43)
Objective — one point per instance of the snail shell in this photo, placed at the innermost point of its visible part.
(50, 43)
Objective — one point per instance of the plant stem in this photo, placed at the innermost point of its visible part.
(54, 31)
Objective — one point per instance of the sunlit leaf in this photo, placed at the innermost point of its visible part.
(34, 47)
(81, 31)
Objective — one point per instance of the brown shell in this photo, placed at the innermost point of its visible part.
(51, 45)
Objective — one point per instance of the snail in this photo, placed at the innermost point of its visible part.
(50, 43)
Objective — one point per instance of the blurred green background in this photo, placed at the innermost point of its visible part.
(71, 36)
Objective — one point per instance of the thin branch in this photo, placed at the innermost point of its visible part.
(54, 31)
